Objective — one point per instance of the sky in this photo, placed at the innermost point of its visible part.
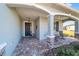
(75, 5)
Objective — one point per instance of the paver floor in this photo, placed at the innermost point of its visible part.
(30, 46)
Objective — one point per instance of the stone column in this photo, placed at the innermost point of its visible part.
(51, 25)
(51, 29)
(76, 29)
(60, 25)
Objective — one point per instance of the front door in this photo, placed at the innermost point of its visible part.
(27, 29)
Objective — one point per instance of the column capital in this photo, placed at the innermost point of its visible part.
(51, 15)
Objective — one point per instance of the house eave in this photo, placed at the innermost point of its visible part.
(68, 7)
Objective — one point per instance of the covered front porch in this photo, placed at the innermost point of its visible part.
(39, 29)
(41, 22)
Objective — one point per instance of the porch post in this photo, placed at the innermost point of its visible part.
(60, 25)
(77, 28)
(51, 36)
(51, 25)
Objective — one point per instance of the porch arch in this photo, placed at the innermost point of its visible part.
(69, 15)
(73, 18)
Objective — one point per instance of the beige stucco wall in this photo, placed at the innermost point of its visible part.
(10, 28)
(43, 27)
(33, 27)
(36, 28)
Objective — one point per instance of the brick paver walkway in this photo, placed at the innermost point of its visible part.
(33, 47)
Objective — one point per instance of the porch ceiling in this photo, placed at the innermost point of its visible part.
(26, 11)
(32, 13)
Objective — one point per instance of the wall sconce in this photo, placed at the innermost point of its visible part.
(27, 19)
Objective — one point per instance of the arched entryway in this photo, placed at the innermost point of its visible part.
(67, 24)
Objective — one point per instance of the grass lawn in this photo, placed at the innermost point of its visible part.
(69, 33)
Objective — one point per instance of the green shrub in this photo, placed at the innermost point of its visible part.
(76, 47)
(72, 51)
(66, 52)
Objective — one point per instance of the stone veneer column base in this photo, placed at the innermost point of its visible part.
(50, 40)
